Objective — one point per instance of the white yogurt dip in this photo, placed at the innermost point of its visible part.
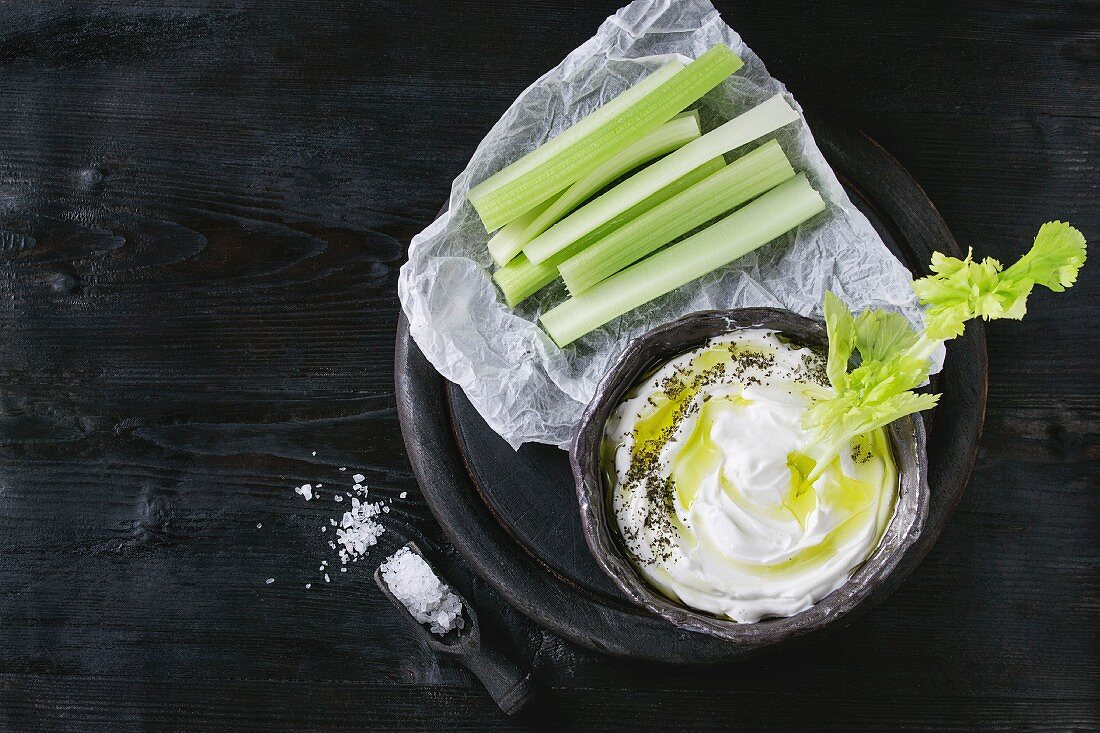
(704, 460)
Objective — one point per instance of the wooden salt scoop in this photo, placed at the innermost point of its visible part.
(509, 686)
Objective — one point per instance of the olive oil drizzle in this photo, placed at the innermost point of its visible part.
(673, 401)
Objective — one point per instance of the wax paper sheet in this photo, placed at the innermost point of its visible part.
(524, 386)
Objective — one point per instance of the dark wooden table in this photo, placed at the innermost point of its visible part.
(203, 208)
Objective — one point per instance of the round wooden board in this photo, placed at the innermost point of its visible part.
(513, 515)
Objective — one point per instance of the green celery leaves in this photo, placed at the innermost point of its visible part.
(964, 289)
(893, 358)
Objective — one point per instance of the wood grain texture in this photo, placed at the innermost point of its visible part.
(203, 205)
(201, 706)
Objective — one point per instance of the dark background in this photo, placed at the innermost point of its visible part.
(203, 209)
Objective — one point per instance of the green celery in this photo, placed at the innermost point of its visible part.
(550, 168)
(520, 278)
(893, 358)
(757, 122)
(508, 242)
(746, 178)
(755, 224)
(965, 289)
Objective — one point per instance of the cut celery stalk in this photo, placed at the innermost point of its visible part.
(746, 178)
(507, 243)
(484, 195)
(520, 278)
(755, 224)
(548, 169)
(757, 122)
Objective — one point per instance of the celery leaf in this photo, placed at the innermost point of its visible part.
(882, 335)
(872, 394)
(964, 289)
(841, 328)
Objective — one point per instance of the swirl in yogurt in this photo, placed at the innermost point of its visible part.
(704, 459)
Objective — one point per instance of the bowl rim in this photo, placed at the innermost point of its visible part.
(657, 346)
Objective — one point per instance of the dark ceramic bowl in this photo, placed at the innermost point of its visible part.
(650, 351)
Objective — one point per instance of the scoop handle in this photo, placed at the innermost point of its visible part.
(509, 686)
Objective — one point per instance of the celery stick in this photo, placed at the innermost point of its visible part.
(548, 169)
(746, 178)
(483, 193)
(520, 278)
(508, 242)
(755, 224)
(757, 122)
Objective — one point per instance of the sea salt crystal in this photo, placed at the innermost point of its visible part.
(337, 497)
(305, 491)
(269, 581)
(259, 525)
(412, 582)
(358, 478)
(313, 453)
(402, 495)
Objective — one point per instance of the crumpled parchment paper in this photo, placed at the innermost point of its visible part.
(525, 387)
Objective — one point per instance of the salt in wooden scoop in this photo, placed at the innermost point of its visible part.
(509, 687)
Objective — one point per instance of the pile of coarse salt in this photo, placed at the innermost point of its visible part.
(429, 601)
(358, 529)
